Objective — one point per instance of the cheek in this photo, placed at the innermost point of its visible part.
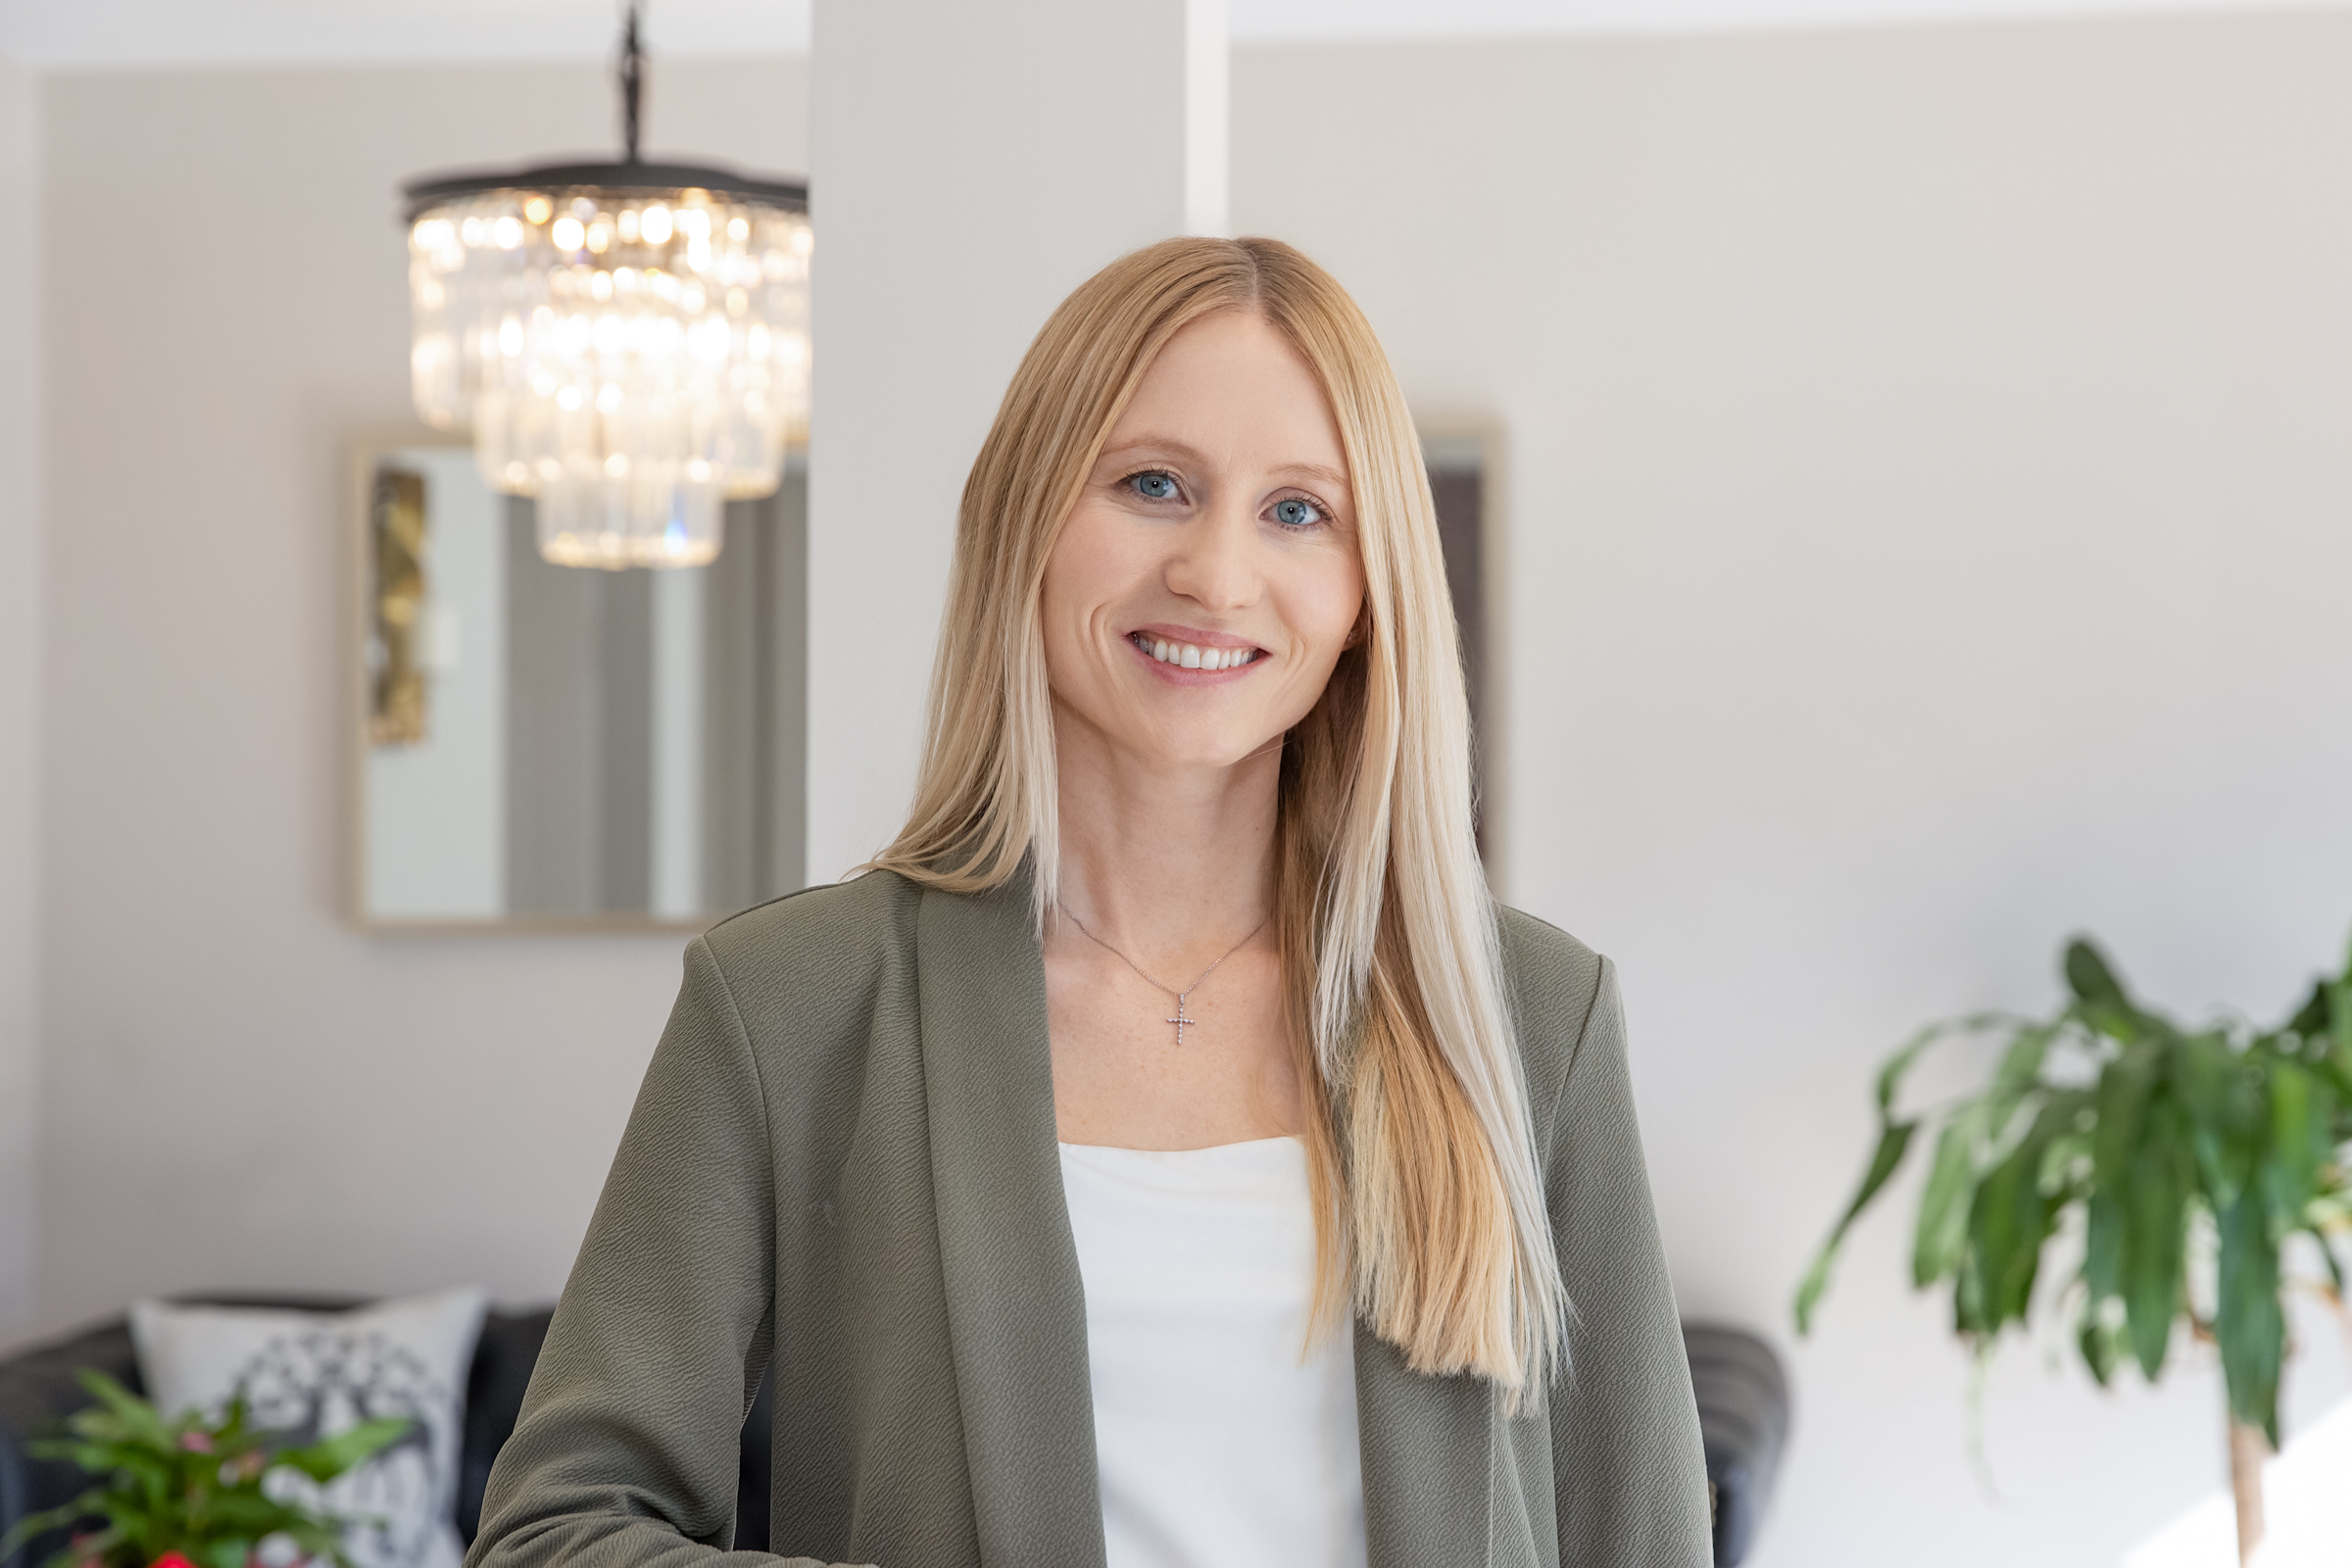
(1325, 604)
(1085, 573)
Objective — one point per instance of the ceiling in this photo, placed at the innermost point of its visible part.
(82, 34)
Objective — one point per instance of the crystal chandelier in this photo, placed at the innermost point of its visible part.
(628, 341)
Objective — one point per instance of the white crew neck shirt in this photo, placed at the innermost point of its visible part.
(1216, 1443)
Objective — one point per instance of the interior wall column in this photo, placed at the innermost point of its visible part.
(21, 620)
(969, 165)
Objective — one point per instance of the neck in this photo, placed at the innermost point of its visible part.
(1163, 863)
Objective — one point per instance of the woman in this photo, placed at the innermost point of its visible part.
(1167, 1155)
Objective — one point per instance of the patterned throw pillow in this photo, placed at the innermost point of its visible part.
(312, 1374)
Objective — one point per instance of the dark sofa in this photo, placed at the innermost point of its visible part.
(1743, 1406)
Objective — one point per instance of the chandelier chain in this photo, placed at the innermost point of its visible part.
(632, 81)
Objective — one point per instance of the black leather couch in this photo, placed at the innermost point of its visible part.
(1743, 1407)
(1744, 1422)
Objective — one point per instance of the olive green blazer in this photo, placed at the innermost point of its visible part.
(842, 1170)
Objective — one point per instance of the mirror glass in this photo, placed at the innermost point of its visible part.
(1458, 460)
(1457, 482)
(554, 744)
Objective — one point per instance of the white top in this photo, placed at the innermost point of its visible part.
(1217, 1444)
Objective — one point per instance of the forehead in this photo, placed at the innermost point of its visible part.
(1231, 385)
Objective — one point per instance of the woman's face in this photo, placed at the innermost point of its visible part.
(1208, 577)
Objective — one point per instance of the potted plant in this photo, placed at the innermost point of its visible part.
(2176, 1164)
(187, 1493)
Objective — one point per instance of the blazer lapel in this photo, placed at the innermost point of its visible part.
(1427, 1448)
(1016, 1311)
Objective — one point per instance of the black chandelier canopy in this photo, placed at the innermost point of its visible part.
(624, 180)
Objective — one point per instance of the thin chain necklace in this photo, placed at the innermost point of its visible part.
(1181, 1018)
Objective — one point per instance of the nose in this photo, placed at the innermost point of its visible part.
(1215, 562)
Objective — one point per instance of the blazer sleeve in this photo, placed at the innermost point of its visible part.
(1627, 1472)
(625, 1452)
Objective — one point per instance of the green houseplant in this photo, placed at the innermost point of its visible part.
(188, 1492)
(2177, 1164)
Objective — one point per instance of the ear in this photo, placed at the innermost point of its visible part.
(1362, 627)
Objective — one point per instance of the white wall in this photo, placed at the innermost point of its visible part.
(239, 1089)
(21, 615)
(974, 163)
(1926, 536)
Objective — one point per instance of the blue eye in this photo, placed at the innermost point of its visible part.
(1154, 485)
(1296, 511)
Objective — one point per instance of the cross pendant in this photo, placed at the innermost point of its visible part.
(1181, 1019)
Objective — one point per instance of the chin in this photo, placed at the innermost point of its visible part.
(1189, 752)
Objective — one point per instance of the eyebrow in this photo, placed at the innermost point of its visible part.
(1316, 470)
(1188, 453)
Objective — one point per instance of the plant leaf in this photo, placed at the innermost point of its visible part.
(2009, 1221)
(2225, 1120)
(2102, 1346)
(2336, 1268)
(2249, 1323)
(2124, 1084)
(84, 1506)
(2339, 1005)
(138, 1417)
(1970, 1321)
(1893, 1140)
(2020, 1070)
(1894, 1070)
(1943, 1231)
(330, 1457)
(309, 1534)
(2156, 1202)
(2104, 1220)
(225, 1551)
(2311, 1021)
(2091, 977)
(2296, 1137)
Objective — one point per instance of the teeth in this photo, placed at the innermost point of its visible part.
(1188, 656)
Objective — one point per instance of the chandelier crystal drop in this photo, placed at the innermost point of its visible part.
(630, 342)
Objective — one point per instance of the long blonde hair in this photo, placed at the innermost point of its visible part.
(1430, 1211)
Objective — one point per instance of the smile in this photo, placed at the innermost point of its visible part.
(1192, 656)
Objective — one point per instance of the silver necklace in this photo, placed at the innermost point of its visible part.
(1181, 1018)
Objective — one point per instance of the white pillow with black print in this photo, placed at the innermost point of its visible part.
(313, 1374)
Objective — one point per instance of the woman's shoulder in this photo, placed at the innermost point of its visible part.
(836, 936)
(1553, 983)
(806, 977)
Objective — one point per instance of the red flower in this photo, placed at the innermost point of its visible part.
(171, 1559)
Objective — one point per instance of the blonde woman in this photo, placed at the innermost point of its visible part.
(1166, 1155)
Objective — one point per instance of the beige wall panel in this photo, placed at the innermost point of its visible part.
(20, 616)
(240, 1090)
